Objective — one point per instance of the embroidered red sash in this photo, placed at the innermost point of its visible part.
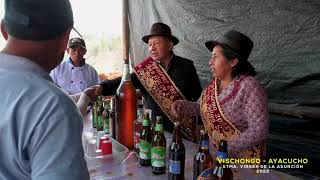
(163, 90)
(218, 125)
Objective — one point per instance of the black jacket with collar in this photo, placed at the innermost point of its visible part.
(183, 74)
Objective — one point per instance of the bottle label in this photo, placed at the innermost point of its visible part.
(136, 139)
(100, 121)
(94, 117)
(145, 150)
(200, 156)
(174, 167)
(207, 174)
(205, 144)
(158, 156)
(106, 126)
(221, 155)
(145, 122)
(159, 127)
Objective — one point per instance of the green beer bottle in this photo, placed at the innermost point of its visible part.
(100, 109)
(145, 141)
(158, 150)
(94, 114)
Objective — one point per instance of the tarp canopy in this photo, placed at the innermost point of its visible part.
(286, 53)
(286, 37)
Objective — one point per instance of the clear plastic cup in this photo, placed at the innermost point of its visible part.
(92, 147)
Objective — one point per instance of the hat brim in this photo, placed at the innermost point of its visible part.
(171, 38)
(211, 44)
(74, 45)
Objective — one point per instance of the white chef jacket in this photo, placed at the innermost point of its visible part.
(74, 79)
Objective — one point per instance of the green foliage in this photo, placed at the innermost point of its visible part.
(102, 43)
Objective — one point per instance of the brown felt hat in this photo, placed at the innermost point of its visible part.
(236, 41)
(160, 29)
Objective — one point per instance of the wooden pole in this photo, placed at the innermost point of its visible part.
(125, 31)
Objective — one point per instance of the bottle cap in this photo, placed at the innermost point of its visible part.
(203, 131)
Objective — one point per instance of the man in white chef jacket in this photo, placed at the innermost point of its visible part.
(74, 75)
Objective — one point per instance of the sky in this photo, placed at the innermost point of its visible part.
(91, 17)
(96, 16)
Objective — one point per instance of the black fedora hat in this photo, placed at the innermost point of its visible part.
(236, 41)
(160, 29)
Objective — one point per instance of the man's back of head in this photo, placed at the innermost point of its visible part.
(37, 116)
(37, 28)
(37, 19)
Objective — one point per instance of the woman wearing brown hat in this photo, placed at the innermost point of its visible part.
(234, 105)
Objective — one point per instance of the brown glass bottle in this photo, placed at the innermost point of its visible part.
(158, 149)
(220, 173)
(177, 155)
(126, 108)
(202, 159)
(145, 141)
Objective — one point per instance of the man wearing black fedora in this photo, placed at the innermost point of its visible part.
(172, 76)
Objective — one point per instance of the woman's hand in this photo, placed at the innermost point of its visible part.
(183, 108)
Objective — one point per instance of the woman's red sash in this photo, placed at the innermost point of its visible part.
(218, 125)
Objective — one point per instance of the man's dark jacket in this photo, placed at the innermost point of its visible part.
(183, 74)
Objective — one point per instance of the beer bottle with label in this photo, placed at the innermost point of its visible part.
(100, 109)
(145, 141)
(152, 122)
(126, 108)
(202, 159)
(139, 99)
(112, 118)
(106, 125)
(177, 155)
(137, 126)
(94, 114)
(219, 172)
(158, 150)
